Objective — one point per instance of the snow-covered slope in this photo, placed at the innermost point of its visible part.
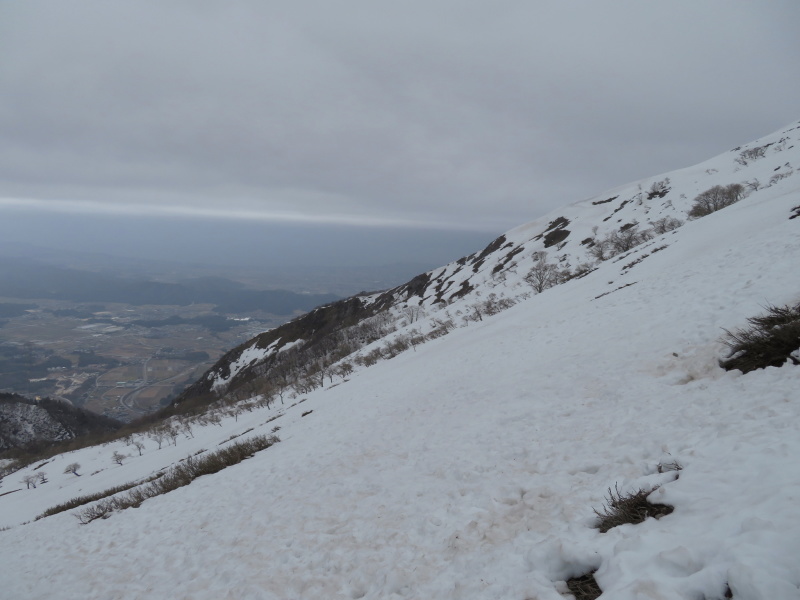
(468, 466)
(624, 226)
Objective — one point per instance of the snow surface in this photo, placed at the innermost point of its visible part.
(470, 467)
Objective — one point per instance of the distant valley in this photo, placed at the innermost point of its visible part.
(121, 346)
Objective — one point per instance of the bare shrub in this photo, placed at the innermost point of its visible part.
(399, 344)
(716, 198)
(616, 242)
(751, 154)
(630, 508)
(372, 357)
(626, 238)
(659, 189)
(178, 476)
(441, 327)
(81, 500)
(581, 270)
(778, 176)
(769, 341)
(494, 305)
(345, 369)
(665, 225)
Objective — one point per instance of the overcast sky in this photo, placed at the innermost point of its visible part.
(461, 115)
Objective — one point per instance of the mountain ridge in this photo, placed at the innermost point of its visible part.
(36, 280)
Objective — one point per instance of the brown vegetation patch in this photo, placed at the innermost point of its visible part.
(630, 509)
(769, 341)
(604, 201)
(584, 587)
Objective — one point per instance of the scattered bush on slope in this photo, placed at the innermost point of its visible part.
(179, 476)
(769, 341)
(81, 500)
(716, 198)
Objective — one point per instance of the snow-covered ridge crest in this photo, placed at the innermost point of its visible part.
(623, 226)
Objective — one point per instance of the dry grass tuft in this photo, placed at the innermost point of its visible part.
(769, 340)
(584, 587)
(630, 508)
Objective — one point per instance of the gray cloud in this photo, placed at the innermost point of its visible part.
(451, 114)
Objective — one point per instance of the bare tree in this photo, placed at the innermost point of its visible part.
(412, 313)
(543, 275)
(235, 411)
(600, 250)
(281, 383)
(73, 468)
(139, 446)
(186, 427)
(415, 338)
(42, 476)
(172, 433)
(158, 436)
(753, 186)
(30, 481)
(118, 458)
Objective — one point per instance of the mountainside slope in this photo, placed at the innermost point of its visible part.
(469, 465)
(625, 226)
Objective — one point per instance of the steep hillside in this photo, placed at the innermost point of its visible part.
(470, 443)
(624, 226)
(26, 423)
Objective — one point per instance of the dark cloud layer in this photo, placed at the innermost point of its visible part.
(471, 115)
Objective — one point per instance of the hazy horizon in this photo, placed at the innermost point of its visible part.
(362, 134)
